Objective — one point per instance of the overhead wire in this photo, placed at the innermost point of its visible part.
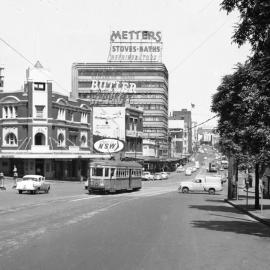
(28, 61)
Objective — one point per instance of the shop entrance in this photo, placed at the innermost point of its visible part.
(40, 167)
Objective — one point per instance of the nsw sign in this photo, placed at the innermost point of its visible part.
(108, 146)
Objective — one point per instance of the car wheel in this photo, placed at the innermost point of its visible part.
(211, 191)
(20, 191)
(185, 190)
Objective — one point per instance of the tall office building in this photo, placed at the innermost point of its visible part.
(139, 84)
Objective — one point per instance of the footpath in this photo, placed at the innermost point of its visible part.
(245, 203)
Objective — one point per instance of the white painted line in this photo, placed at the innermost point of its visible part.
(87, 198)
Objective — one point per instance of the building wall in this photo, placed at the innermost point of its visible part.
(151, 80)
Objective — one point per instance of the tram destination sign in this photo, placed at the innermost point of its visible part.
(135, 46)
(108, 146)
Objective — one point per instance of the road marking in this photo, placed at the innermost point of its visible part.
(87, 198)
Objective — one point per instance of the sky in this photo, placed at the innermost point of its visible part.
(196, 35)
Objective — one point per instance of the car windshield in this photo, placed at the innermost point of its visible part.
(30, 178)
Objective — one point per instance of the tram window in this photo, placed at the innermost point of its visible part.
(97, 172)
(112, 172)
(106, 172)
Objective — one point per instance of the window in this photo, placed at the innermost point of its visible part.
(39, 86)
(83, 141)
(9, 112)
(97, 171)
(106, 172)
(61, 140)
(61, 114)
(39, 111)
(83, 117)
(39, 139)
(11, 139)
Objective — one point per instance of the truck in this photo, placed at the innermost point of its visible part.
(202, 183)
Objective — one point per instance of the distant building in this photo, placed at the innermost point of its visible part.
(178, 138)
(141, 85)
(185, 115)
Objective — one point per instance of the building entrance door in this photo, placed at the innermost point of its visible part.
(40, 167)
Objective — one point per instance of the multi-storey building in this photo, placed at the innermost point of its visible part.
(142, 85)
(185, 115)
(43, 132)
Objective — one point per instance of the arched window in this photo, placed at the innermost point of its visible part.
(83, 141)
(39, 139)
(11, 139)
(61, 140)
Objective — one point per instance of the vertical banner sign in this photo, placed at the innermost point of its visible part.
(135, 46)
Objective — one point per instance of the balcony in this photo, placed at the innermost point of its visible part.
(40, 148)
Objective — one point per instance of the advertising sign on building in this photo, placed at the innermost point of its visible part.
(135, 46)
(109, 122)
(108, 146)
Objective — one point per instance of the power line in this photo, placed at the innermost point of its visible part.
(199, 46)
(27, 60)
(209, 119)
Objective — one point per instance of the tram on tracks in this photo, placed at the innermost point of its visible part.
(114, 176)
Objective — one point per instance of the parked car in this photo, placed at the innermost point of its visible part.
(33, 184)
(180, 169)
(188, 171)
(164, 175)
(157, 176)
(208, 184)
(147, 176)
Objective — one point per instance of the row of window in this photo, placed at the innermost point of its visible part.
(108, 73)
(9, 111)
(39, 139)
(120, 173)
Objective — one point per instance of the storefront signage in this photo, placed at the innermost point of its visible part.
(135, 46)
(113, 86)
(108, 146)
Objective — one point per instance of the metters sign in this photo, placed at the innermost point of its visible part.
(113, 86)
(135, 46)
(108, 146)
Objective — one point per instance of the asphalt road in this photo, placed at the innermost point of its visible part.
(155, 228)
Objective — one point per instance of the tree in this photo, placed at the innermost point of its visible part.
(254, 24)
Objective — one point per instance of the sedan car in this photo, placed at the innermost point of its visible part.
(147, 176)
(164, 175)
(33, 184)
(157, 176)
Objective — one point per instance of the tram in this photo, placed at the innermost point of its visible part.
(113, 176)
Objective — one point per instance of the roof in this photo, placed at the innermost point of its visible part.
(113, 163)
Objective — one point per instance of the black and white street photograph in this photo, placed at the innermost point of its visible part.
(134, 135)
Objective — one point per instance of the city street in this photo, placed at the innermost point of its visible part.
(154, 228)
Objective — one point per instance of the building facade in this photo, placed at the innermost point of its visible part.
(141, 85)
(185, 115)
(43, 132)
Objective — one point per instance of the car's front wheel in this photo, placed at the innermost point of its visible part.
(185, 190)
(211, 191)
